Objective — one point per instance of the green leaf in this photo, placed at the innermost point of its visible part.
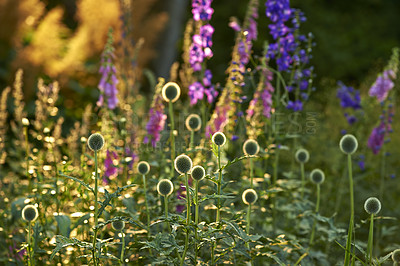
(63, 242)
(215, 196)
(120, 218)
(77, 180)
(64, 224)
(109, 197)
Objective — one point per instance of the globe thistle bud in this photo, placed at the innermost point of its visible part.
(219, 139)
(249, 196)
(171, 92)
(348, 144)
(302, 156)
(30, 213)
(25, 122)
(165, 187)
(118, 225)
(193, 122)
(317, 176)
(96, 142)
(198, 172)
(143, 168)
(250, 147)
(372, 205)
(183, 164)
(396, 256)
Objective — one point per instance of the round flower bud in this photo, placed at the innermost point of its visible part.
(198, 172)
(30, 213)
(219, 138)
(165, 187)
(348, 144)
(143, 168)
(249, 196)
(118, 225)
(317, 176)
(96, 142)
(396, 256)
(25, 122)
(250, 147)
(372, 205)
(302, 156)
(171, 92)
(193, 122)
(183, 164)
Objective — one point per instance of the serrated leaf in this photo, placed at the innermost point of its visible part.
(63, 242)
(64, 224)
(109, 197)
(79, 181)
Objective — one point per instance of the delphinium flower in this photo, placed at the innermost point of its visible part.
(287, 49)
(108, 82)
(349, 99)
(199, 51)
(157, 117)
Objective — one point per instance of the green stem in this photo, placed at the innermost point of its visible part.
(191, 146)
(147, 206)
(381, 193)
(123, 247)
(316, 213)
(212, 253)
(351, 226)
(27, 157)
(370, 239)
(303, 181)
(30, 245)
(219, 185)
(248, 229)
(187, 200)
(95, 209)
(251, 172)
(196, 201)
(172, 137)
(186, 246)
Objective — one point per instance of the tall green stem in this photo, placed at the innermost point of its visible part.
(303, 181)
(147, 206)
(381, 192)
(219, 183)
(123, 247)
(191, 140)
(351, 226)
(196, 219)
(187, 218)
(27, 157)
(95, 209)
(251, 172)
(370, 239)
(172, 136)
(30, 245)
(316, 213)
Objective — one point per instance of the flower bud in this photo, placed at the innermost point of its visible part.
(143, 168)
(30, 213)
(183, 164)
(193, 122)
(302, 156)
(396, 256)
(96, 142)
(219, 139)
(317, 176)
(348, 144)
(198, 172)
(165, 187)
(249, 196)
(171, 92)
(118, 225)
(372, 205)
(250, 147)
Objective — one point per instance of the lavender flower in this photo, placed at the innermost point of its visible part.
(108, 82)
(383, 84)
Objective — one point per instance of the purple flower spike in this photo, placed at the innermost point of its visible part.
(376, 139)
(383, 84)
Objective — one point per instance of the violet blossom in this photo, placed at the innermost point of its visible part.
(383, 84)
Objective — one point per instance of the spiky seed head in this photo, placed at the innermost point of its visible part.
(348, 144)
(219, 138)
(317, 176)
(249, 196)
(302, 156)
(96, 142)
(25, 122)
(396, 256)
(171, 92)
(183, 164)
(165, 187)
(193, 122)
(30, 213)
(250, 147)
(198, 172)
(143, 168)
(118, 225)
(372, 205)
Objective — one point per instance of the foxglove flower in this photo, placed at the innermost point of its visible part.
(376, 139)
(383, 84)
(108, 82)
(155, 125)
(110, 168)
